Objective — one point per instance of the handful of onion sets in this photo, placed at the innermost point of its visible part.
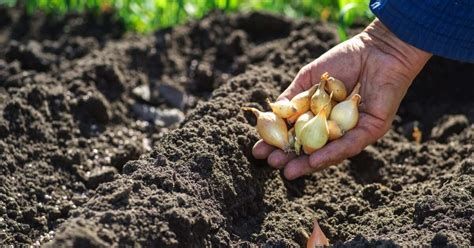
(318, 115)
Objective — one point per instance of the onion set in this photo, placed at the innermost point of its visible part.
(320, 99)
(282, 108)
(346, 113)
(310, 119)
(302, 103)
(315, 132)
(335, 86)
(317, 237)
(271, 128)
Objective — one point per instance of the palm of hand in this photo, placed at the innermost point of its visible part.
(384, 75)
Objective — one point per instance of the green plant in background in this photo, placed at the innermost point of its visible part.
(148, 15)
(350, 10)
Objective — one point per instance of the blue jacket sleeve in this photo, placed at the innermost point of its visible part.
(442, 27)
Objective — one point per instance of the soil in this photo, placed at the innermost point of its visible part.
(94, 151)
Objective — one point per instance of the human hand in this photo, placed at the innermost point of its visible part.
(384, 65)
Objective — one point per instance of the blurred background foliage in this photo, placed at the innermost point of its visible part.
(148, 15)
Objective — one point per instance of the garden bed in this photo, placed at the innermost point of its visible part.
(95, 149)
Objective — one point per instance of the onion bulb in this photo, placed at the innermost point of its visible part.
(335, 131)
(337, 87)
(283, 108)
(346, 114)
(302, 103)
(271, 128)
(320, 99)
(315, 132)
(302, 119)
(317, 238)
(293, 118)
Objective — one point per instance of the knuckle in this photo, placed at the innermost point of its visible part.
(313, 164)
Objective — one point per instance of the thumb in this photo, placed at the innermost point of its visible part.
(308, 76)
(301, 82)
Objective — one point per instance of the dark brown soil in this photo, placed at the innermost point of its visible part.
(87, 159)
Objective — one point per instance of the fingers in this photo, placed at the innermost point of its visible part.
(297, 167)
(275, 157)
(367, 131)
(334, 152)
(262, 150)
(352, 143)
(278, 158)
(301, 82)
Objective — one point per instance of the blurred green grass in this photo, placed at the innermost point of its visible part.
(147, 15)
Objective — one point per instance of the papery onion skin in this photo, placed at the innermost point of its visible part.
(302, 103)
(325, 76)
(320, 99)
(301, 100)
(317, 238)
(315, 133)
(346, 113)
(293, 118)
(299, 124)
(335, 131)
(282, 108)
(302, 120)
(337, 87)
(271, 128)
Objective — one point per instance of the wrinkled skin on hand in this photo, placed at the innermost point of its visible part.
(384, 65)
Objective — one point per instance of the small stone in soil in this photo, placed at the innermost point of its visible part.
(160, 117)
(174, 96)
(142, 92)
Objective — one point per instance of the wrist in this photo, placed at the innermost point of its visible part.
(380, 37)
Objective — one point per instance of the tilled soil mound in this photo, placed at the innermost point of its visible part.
(94, 150)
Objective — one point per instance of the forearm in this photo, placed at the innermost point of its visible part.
(444, 28)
